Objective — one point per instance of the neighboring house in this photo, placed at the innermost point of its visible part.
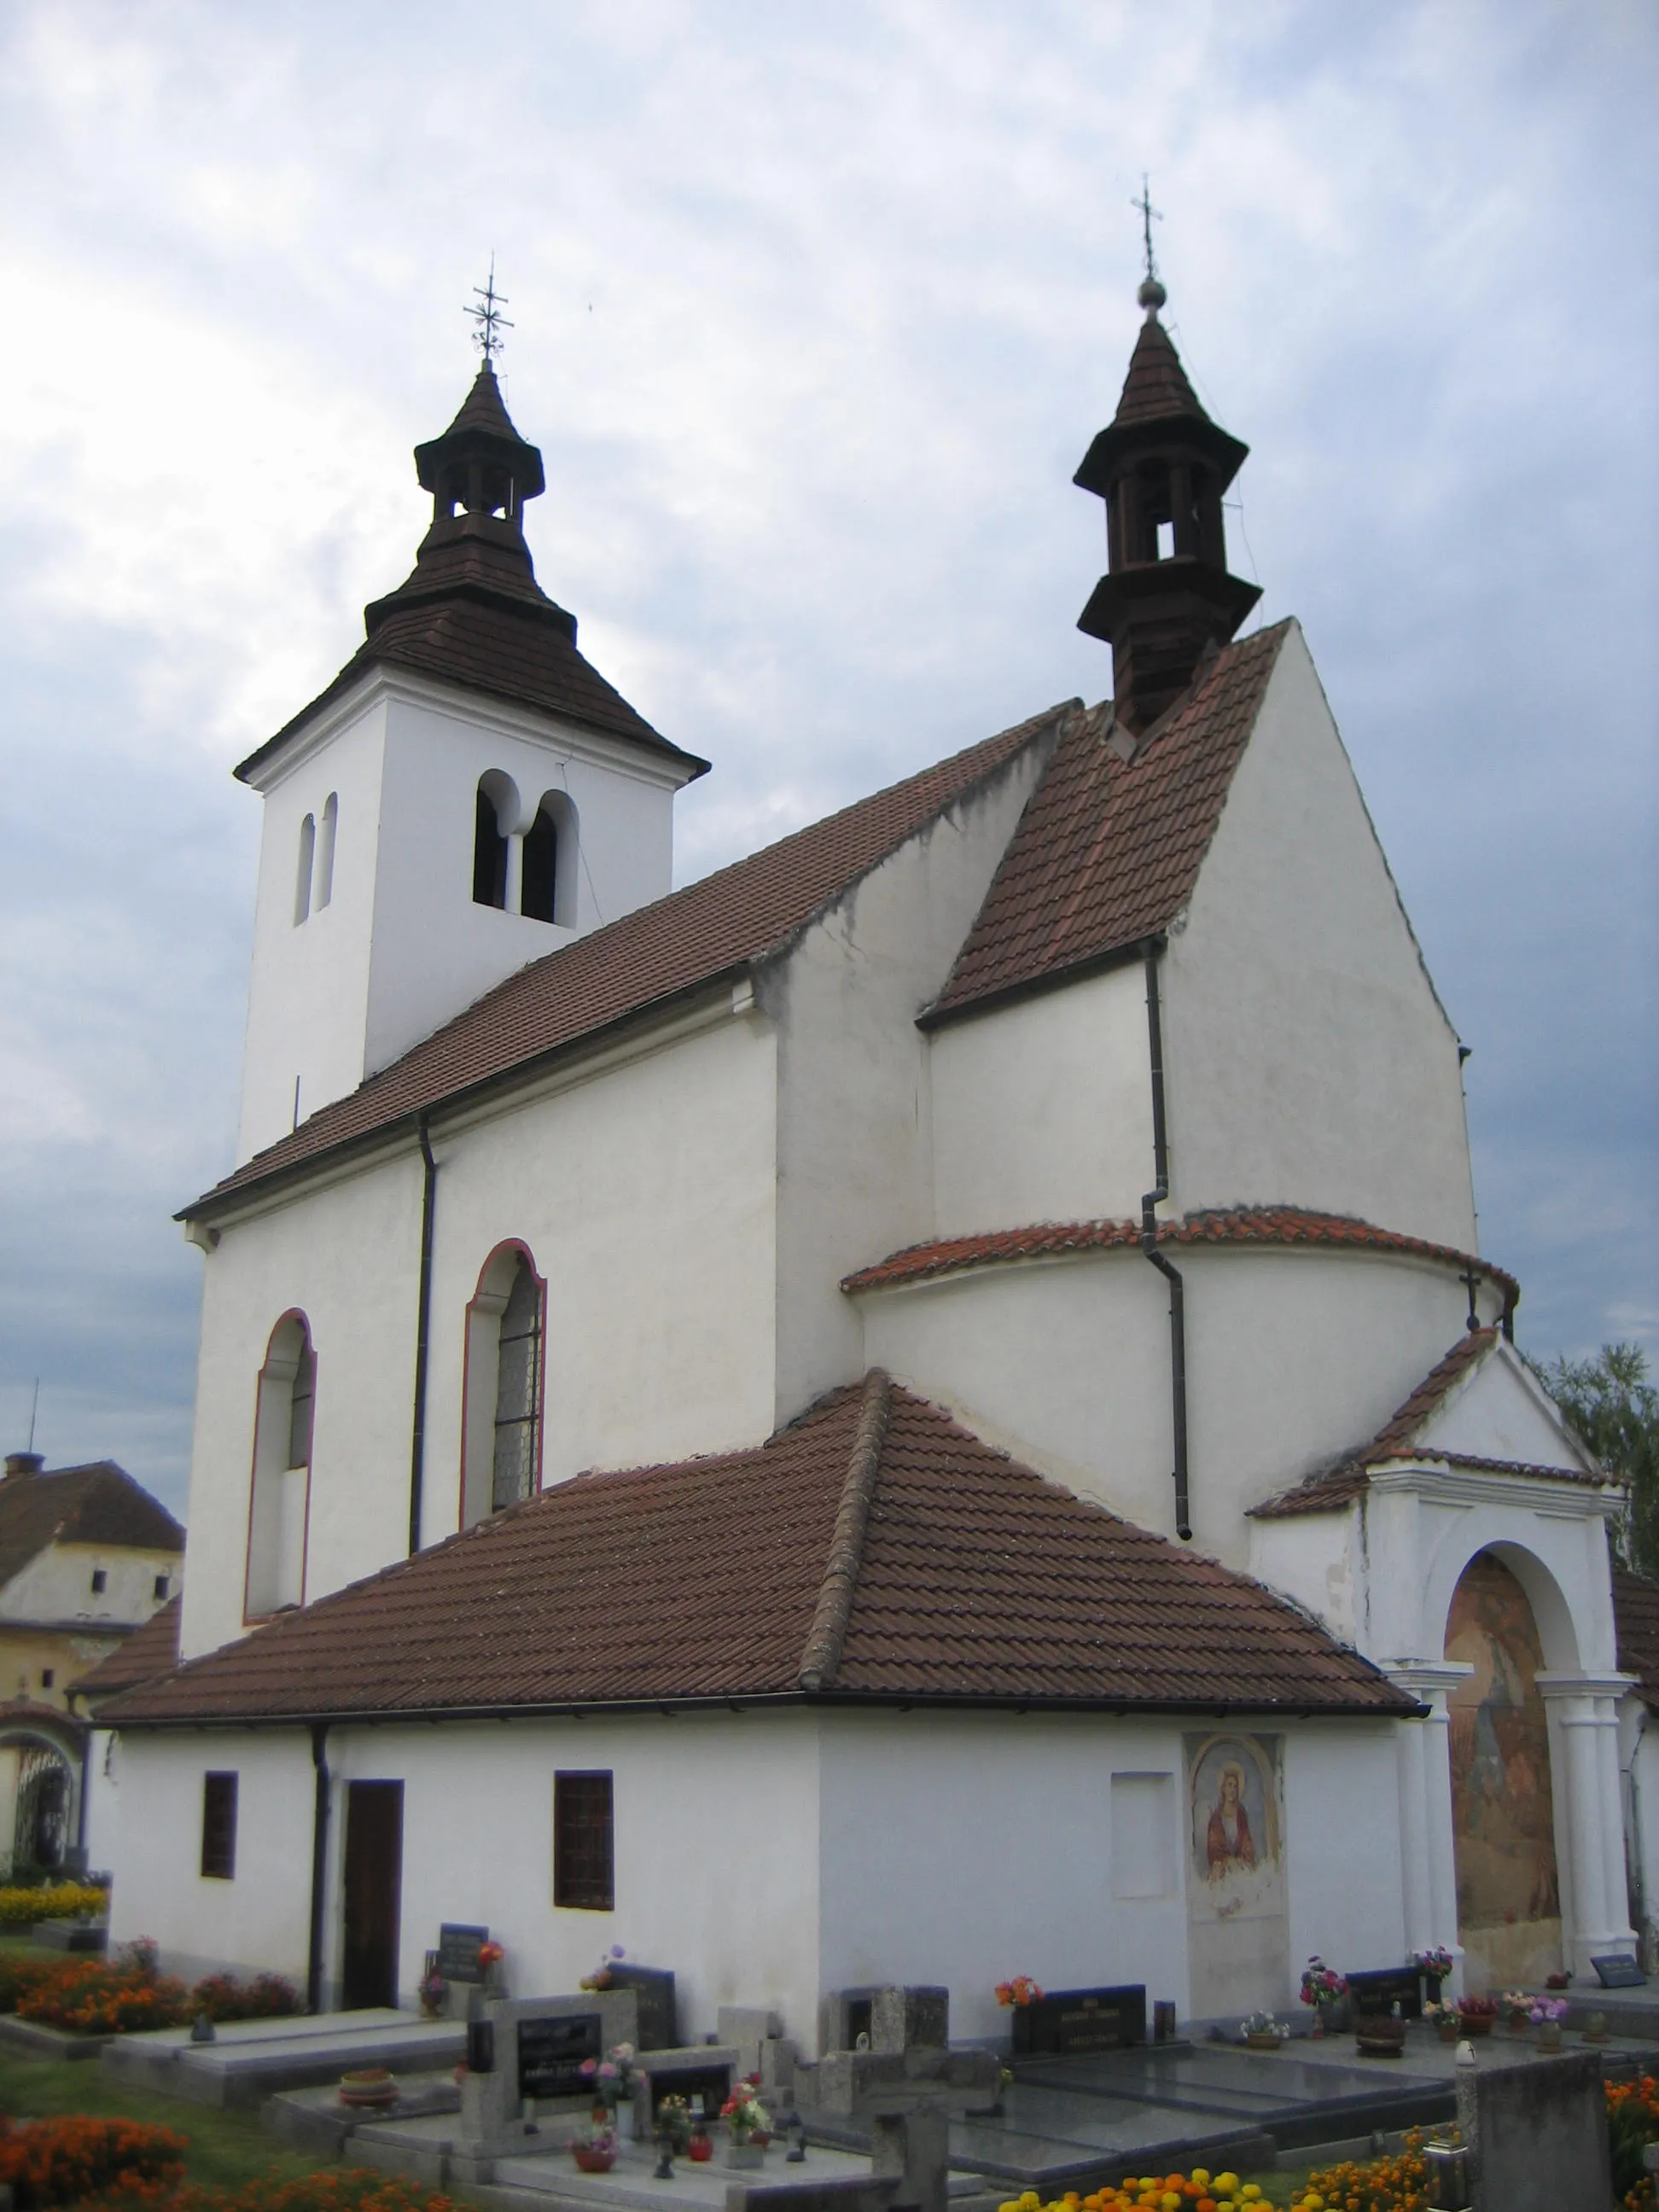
(86, 1556)
(1074, 1504)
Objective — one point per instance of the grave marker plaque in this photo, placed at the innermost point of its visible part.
(1379, 1991)
(1069, 2022)
(552, 2052)
(654, 1986)
(458, 1951)
(1618, 1971)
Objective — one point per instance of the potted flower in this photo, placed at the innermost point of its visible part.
(594, 2148)
(490, 1959)
(1434, 1966)
(615, 2080)
(746, 2118)
(432, 1989)
(1476, 2015)
(1547, 2015)
(600, 1977)
(1261, 2031)
(1322, 1988)
(670, 2125)
(1380, 2035)
(1017, 1996)
(1442, 2018)
(1518, 2005)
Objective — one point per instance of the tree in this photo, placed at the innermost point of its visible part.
(1616, 1409)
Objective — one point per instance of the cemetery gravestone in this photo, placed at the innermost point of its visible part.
(1389, 1986)
(1069, 2022)
(1537, 2133)
(1618, 1971)
(910, 2092)
(654, 1989)
(459, 1946)
(532, 2047)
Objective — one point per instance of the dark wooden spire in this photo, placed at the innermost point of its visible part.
(1161, 466)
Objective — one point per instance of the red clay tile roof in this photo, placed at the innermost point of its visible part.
(149, 1652)
(712, 928)
(1256, 1224)
(98, 1503)
(887, 1555)
(1636, 1619)
(1109, 850)
(1155, 387)
(1329, 1489)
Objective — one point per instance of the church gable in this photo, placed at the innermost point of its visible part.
(1498, 1413)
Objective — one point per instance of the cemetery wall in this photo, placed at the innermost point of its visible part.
(1293, 1355)
(1309, 1060)
(855, 1126)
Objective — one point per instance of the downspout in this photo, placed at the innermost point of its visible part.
(319, 1866)
(1148, 1204)
(417, 1443)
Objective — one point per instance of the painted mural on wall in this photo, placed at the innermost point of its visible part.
(1503, 1809)
(1236, 1911)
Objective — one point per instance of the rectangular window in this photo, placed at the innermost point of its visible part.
(583, 1857)
(99, 1582)
(47, 1678)
(219, 1826)
(161, 1586)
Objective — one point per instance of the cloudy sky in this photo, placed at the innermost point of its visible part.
(817, 309)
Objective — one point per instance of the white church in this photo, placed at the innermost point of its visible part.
(927, 1407)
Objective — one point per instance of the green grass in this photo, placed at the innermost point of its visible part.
(226, 2149)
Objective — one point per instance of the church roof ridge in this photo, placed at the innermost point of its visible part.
(717, 926)
(972, 1581)
(1241, 1224)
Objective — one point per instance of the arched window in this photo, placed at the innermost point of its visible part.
(280, 1501)
(549, 862)
(331, 824)
(302, 872)
(495, 819)
(501, 1452)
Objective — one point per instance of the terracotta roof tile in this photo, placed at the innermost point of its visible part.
(1636, 1619)
(1109, 850)
(1330, 1488)
(98, 1503)
(969, 1578)
(1156, 387)
(647, 957)
(1262, 1225)
(148, 1653)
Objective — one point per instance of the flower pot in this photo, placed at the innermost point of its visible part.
(1549, 2035)
(591, 2160)
(1474, 2023)
(744, 2155)
(700, 2149)
(367, 2088)
(1449, 2030)
(1261, 2042)
(1378, 2036)
(1596, 2027)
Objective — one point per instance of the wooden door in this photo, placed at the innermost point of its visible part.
(374, 1891)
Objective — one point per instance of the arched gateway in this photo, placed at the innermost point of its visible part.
(1508, 1893)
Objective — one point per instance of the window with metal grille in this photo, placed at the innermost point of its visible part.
(219, 1826)
(518, 1390)
(583, 1849)
(299, 1408)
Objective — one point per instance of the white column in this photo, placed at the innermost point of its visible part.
(1594, 1911)
(513, 896)
(1423, 1750)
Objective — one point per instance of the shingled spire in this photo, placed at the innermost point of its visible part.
(1161, 466)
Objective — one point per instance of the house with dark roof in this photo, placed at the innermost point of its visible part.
(87, 1559)
(939, 1381)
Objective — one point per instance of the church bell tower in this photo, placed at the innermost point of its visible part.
(1161, 466)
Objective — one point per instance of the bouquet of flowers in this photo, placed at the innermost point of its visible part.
(672, 2125)
(600, 1977)
(1021, 1990)
(1262, 2023)
(744, 2113)
(1435, 1963)
(1547, 2008)
(1322, 1985)
(615, 2077)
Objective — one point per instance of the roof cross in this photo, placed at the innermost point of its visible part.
(1149, 215)
(1471, 1279)
(490, 320)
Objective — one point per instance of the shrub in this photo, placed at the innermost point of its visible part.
(267, 1996)
(349, 2189)
(60, 2161)
(88, 1997)
(1632, 2122)
(19, 1975)
(53, 1900)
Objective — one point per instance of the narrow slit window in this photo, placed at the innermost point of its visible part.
(325, 870)
(302, 872)
(1165, 541)
(218, 1826)
(488, 855)
(518, 1391)
(583, 1847)
(163, 1583)
(100, 1581)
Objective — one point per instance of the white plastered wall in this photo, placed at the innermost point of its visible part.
(1308, 1060)
(1042, 1109)
(854, 1125)
(57, 1585)
(645, 1193)
(347, 1256)
(1293, 1355)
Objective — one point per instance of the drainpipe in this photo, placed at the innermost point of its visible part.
(319, 1866)
(417, 1445)
(1148, 1204)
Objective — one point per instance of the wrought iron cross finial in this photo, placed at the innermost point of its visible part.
(1470, 1278)
(1149, 215)
(490, 320)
